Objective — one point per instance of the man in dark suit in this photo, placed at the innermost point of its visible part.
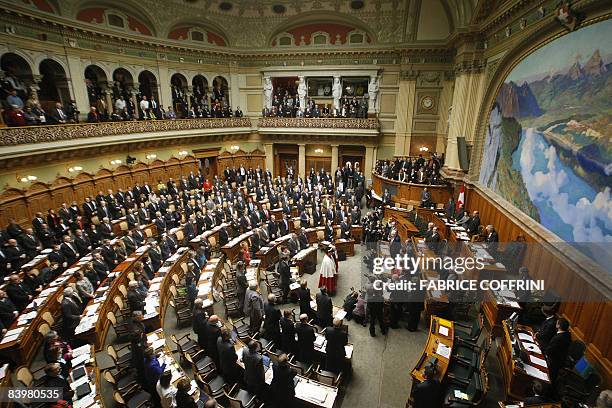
(15, 255)
(105, 229)
(492, 239)
(109, 254)
(254, 373)
(57, 115)
(283, 386)
(283, 226)
(212, 333)
(305, 340)
(82, 242)
(272, 318)
(288, 343)
(56, 256)
(428, 394)
(100, 265)
(471, 226)
(129, 242)
(303, 239)
(69, 251)
(548, 328)
(335, 352)
(223, 236)
(227, 357)
(538, 394)
(17, 293)
(8, 312)
(54, 379)
(134, 298)
(30, 244)
(556, 351)
(71, 314)
(324, 307)
(273, 227)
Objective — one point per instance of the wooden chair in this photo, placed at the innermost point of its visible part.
(43, 329)
(183, 315)
(201, 363)
(123, 291)
(28, 378)
(121, 330)
(122, 311)
(301, 367)
(136, 399)
(185, 345)
(327, 377)
(121, 361)
(123, 226)
(213, 385)
(239, 398)
(123, 381)
(241, 327)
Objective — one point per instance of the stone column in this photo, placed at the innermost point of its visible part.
(369, 162)
(165, 94)
(188, 95)
(334, 158)
(108, 97)
(302, 160)
(405, 112)
(269, 149)
(134, 93)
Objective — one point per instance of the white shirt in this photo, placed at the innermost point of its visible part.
(166, 395)
(144, 105)
(120, 104)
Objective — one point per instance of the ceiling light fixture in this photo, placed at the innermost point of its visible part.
(318, 150)
(424, 149)
(115, 162)
(27, 179)
(75, 169)
(151, 156)
(183, 153)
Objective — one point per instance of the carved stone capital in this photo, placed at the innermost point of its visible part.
(409, 75)
(469, 67)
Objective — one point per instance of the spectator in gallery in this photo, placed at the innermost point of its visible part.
(238, 112)
(120, 104)
(15, 117)
(144, 107)
(14, 100)
(93, 116)
(30, 118)
(170, 114)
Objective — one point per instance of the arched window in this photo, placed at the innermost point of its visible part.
(115, 19)
(357, 37)
(197, 35)
(319, 38)
(285, 40)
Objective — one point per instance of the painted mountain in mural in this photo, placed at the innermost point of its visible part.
(548, 142)
(517, 101)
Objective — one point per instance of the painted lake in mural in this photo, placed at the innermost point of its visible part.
(548, 144)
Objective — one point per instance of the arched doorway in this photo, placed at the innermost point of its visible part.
(148, 85)
(17, 75)
(220, 91)
(200, 90)
(95, 81)
(123, 83)
(178, 83)
(53, 85)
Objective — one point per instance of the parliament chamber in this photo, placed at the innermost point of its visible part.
(278, 203)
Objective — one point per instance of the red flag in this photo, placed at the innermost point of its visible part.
(461, 198)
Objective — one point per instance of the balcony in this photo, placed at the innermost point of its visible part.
(319, 126)
(14, 136)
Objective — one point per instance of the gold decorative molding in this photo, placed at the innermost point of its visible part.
(40, 134)
(326, 123)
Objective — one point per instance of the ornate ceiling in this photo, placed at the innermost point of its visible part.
(255, 23)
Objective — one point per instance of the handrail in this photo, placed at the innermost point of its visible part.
(333, 123)
(12, 136)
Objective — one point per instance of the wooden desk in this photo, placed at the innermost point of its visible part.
(94, 323)
(6, 381)
(231, 249)
(210, 235)
(492, 269)
(306, 390)
(345, 245)
(431, 347)
(304, 257)
(315, 234)
(405, 227)
(410, 191)
(158, 295)
(436, 301)
(357, 233)
(268, 254)
(497, 308)
(517, 382)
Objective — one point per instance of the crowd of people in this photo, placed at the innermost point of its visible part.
(286, 104)
(410, 170)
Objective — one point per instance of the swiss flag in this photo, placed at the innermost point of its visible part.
(461, 198)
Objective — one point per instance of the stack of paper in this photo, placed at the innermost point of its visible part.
(443, 350)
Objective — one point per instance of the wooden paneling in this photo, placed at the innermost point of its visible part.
(590, 320)
(241, 158)
(22, 205)
(409, 191)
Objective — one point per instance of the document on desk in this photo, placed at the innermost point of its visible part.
(443, 330)
(531, 347)
(443, 350)
(340, 314)
(526, 337)
(310, 392)
(538, 361)
(535, 372)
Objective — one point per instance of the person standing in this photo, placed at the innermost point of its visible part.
(253, 307)
(375, 302)
(254, 373)
(335, 350)
(328, 272)
(324, 308)
(283, 386)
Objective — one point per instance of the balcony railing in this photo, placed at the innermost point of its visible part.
(13, 136)
(324, 123)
